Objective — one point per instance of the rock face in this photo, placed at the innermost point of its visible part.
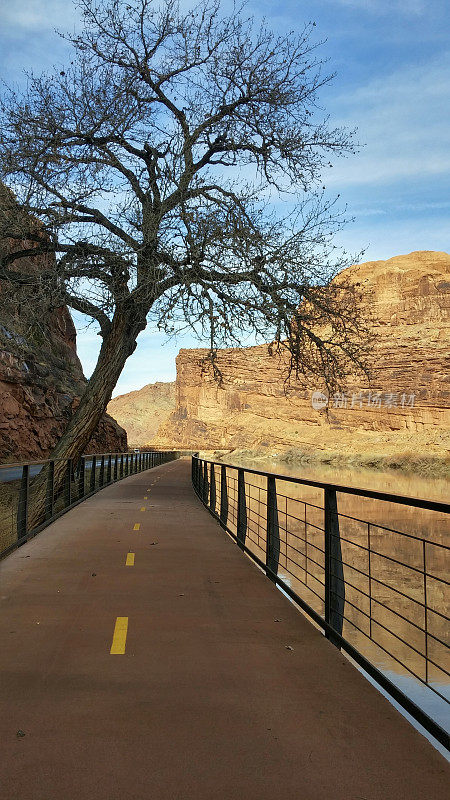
(405, 410)
(141, 413)
(41, 378)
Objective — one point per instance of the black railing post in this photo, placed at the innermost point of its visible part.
(212, 491)
(93, 475)
(49, 500)
(223, 496)
(22, 510)
(81, 477)
(108, 469)
(68, 486)
(334, 571)
(195, 472)
(241, 527)
(101, 477)
(205, 487)
(116, 466)
(200, 478)
(272, 530)
(121, 465)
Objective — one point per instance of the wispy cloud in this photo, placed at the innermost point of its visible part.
(404, 7)
(404, 121)
(34, 15)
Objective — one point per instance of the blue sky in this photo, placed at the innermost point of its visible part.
(392, 59)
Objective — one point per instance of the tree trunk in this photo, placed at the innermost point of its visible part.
(117, 346)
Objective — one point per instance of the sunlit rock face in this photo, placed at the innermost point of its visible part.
(143, 412)
(404, 410)
(41, 378)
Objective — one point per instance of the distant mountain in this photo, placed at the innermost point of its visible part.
(142, 412)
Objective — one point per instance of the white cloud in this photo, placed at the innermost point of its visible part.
(406, 7)
(404, 119)
(33, 15)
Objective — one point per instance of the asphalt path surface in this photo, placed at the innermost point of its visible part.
(144, 656)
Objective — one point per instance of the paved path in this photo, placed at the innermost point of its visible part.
(206, 702)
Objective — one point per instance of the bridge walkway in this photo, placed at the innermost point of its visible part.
(224, 689)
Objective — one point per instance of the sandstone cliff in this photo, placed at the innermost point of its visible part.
(403, 413)
(41, 378)
(142, 412)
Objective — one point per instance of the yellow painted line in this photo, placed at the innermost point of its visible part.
(142, 508)
(137, 526)
(146, 498)
(119, 637)
(130, 560)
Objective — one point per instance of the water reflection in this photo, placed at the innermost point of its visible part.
(395, 564)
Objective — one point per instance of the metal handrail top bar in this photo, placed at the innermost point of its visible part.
(85, 455)
(416, 502)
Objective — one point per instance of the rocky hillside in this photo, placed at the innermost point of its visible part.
(404, 413)
(141, 413)
(41, 378)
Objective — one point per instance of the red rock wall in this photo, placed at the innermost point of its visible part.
(410, 307)
(41, 378)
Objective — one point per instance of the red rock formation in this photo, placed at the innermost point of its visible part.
(41, 378)
(142, 412)
(409, 300)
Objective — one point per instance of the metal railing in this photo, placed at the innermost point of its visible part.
(378, 593)
(81, 479)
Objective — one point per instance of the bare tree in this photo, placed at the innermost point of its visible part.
(158, 165)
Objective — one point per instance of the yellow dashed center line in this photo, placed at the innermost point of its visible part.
(142, 508)
(146, 498)
(137, 526)
(130, 560)
(119, 637)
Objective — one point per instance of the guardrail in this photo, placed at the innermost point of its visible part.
(81, 480)
(378, 593)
